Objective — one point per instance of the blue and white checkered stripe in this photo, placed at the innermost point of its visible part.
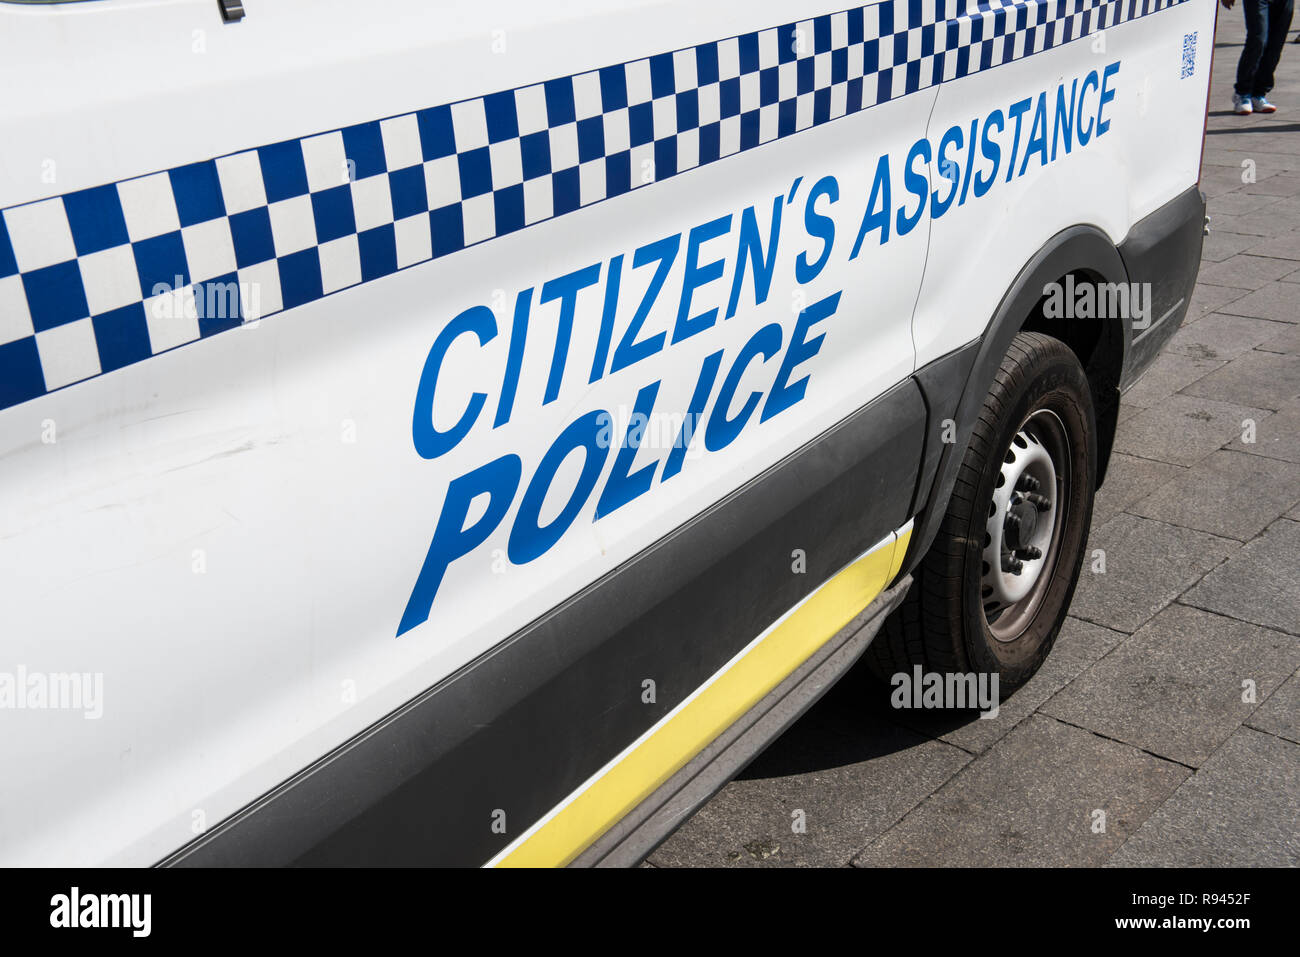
(102, 278)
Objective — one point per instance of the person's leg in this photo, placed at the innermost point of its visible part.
(1279, 23)
(1256, 12)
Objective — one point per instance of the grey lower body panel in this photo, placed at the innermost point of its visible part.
(520, 728)
(1163, 251)
(640, 832)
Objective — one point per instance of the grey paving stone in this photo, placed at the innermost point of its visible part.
(1280, 712)
(1255, 224)
(1291, 277)
(1217, 180)
(1147, 565)
(1175, 687)
(1274, 184)
(1221, 245)
(1286, 342)
(1168, 373)
(1078, 645)
(1279, 301)
(1129, 479)
(1221, 337)
(851, 788)
(1284, 217)
(1263, 380)
(1183, 429)
(1244, 271)
(1239, 810)
(1266, 138)
(1237, 203)
(1127, 410)
(1207, 298)
(1276, 437)
(1286, 246)
(1227, 494)
(1030, 801)
(1260, 584)
(1219, 152)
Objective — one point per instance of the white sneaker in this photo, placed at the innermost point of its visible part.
(1261, 105)
(1241, 105)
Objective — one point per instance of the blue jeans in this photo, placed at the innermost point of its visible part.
(1267, 23)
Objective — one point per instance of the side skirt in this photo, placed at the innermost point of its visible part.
(641, 831)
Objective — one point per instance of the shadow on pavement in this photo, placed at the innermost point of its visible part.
(1270, 128)
(852, 723)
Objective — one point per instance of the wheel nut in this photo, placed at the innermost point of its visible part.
(1040, 502)
(1030, 553)
(1028, 483)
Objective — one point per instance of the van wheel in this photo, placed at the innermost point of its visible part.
(993, 590)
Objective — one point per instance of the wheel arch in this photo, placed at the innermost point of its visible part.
(1088, 254)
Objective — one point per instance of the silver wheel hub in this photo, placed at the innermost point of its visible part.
(1021, 521)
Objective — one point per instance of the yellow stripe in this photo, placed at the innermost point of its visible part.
(737, 689)
(900, 552)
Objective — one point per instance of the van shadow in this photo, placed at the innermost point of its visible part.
(1259, 128)
(851, 724)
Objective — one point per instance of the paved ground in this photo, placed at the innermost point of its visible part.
(1139, 711)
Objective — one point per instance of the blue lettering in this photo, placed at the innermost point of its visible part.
(876, 218)
(721, 430)
(1085, 132)
(1016, 111)
(515, 359)
(917, 184)
(1107, 94)
(565, 289)
(1064, 118)
(528, 538)
(429, 442)
(697, 276)
(620, 487)
(751, 250)
(1037, 135)
(694, 411)
(951, 138)
(498, 480)
(992, 152)
(784, 393)
(664, 251)
(819, 226)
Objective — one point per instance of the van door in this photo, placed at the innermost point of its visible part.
(1076, 114)
(337, 348)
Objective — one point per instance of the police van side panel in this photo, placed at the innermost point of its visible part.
(233, 521)
(1075, 167)
(1098, 132)
(1065, 239)
(567, 403)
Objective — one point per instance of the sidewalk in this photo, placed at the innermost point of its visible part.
(1133, 745)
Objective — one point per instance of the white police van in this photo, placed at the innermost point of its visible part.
(462, 432)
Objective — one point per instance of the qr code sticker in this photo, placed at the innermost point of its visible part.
(1189, 55)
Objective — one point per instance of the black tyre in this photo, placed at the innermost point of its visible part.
(991, 593)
